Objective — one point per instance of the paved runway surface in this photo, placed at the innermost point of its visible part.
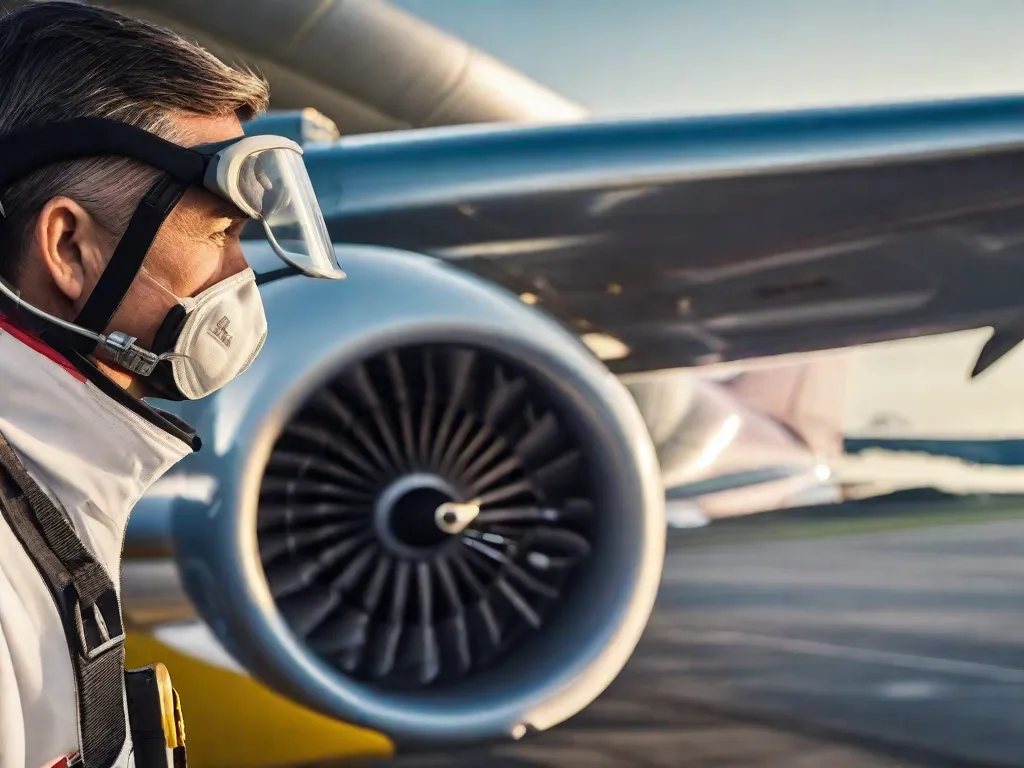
(794, 643)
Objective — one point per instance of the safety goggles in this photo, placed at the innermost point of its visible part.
(263, 176)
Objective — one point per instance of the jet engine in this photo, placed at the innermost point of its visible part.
(432, 510)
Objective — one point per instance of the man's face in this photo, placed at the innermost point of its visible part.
(197, 247)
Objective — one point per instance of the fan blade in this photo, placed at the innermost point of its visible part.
(330, 402)
(368, 392)
(512, 568)
(485, 564)
(484, 459)
(401, 593)
(343, 631)
(554, 478)
(486, 616)
(503, 470)
(539, 442)
(484, 549)
(449, 588)
(429, 407)
(480, 439)
(308, 609)
(468, 576)
(374, 590)
(425, 590)
(517, 515)
(504, 492)
(460, 366)
(502, 401)
(348, 661)
(419, 656)
(385, 661)
(290, 576)
(454, 631)
(557, 541)
(530, 582)
(452, 452)
(505, 537)
(461, 363)
(293, 488)
(331, 556)
(318, 435)
(400, 388)
(519, 603)
(354, 570)
(455, 634)
(304, 464)
(429, 661)
(273, 517)
(292, 542)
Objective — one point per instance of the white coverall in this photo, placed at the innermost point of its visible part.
(97, 458)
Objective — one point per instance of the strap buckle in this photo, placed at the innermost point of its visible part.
(97, 633)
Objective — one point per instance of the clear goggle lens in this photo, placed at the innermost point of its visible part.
(276, 185)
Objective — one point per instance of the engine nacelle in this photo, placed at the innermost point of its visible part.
(435, 513)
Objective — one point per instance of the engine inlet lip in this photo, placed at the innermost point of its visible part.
(619, 437)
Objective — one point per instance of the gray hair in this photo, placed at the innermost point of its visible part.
(61, 59)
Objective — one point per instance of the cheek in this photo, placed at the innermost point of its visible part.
(183, 265)
(201, 264)
(142, 312)
(234, 260)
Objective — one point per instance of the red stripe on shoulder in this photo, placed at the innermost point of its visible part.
(39, 346)
(65, 761)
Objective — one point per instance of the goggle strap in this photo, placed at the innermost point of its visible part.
(127, 259)
(30, 149)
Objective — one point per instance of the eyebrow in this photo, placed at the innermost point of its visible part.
(198, 222)
(225, 210)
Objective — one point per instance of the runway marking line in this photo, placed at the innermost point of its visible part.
(993, 672)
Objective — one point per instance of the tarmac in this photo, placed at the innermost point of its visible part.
(892, 639)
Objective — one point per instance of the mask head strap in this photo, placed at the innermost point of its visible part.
(126, 261)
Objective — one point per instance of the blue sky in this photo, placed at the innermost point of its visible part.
(646, 57)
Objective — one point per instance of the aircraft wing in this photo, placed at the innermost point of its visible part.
(681, 242)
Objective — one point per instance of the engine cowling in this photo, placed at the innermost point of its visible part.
(435, 513)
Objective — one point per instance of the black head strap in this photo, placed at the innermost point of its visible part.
(32, 148)
(126, 261)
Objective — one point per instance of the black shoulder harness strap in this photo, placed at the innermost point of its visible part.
(85, 598)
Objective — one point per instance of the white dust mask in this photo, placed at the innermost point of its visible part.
(224, 329)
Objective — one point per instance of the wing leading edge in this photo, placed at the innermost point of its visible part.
(699, 240)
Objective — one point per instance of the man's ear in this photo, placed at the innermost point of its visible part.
(72, 248)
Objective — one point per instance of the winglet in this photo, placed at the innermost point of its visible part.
(998, 345)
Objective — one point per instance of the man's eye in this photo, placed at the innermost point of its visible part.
(231, 231)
